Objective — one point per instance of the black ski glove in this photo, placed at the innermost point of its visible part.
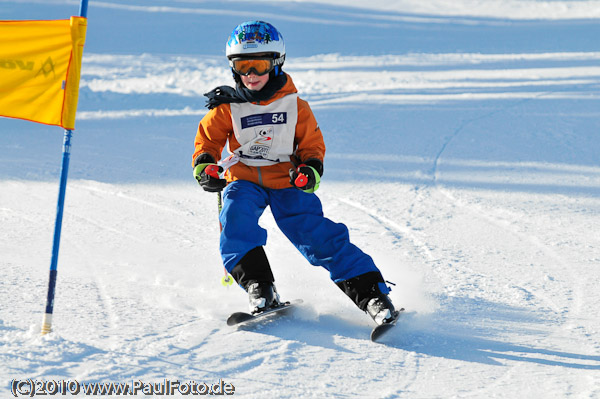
(206, 172)
(307, 176)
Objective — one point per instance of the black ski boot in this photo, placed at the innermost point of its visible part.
(381, 310)
(253, 273)
(262, 296)
(369, 292)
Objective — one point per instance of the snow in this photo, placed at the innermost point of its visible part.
(462, 154)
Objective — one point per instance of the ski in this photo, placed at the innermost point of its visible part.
(382, 329)
(238, 318)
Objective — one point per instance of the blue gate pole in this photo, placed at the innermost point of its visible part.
(83, 8)
(64, 172)
(47, 321)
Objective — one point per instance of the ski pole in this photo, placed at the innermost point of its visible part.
(213, 171)
(227, 280)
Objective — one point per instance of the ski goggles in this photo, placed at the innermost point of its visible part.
(260, 66)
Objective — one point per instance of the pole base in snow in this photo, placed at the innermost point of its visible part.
(47, 323)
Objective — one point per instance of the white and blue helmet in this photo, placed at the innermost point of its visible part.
(256, 37)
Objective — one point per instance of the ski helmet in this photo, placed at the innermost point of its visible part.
(256, 37)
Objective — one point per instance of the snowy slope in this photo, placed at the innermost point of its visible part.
(462, 154)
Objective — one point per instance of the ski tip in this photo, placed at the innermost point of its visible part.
(379, 331)
(238, 317)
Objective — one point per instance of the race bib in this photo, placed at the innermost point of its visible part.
(265, 132)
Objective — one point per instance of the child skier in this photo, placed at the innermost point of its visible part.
(277, 160)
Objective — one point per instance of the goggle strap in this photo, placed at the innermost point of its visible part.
(279, 61)
(276, 62)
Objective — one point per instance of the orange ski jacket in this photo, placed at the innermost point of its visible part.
(216, 130)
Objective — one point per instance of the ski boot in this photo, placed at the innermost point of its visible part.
(262, 296)
(253, 274)
(369, 292)
(381, 310)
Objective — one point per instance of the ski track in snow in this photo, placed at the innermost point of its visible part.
(461, 157)
(552, 258)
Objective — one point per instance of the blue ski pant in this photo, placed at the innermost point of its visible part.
(300, 217)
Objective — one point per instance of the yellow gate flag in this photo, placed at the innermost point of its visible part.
(40, 68)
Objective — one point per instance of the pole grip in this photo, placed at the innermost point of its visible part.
(301, 180)
(212, 171)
